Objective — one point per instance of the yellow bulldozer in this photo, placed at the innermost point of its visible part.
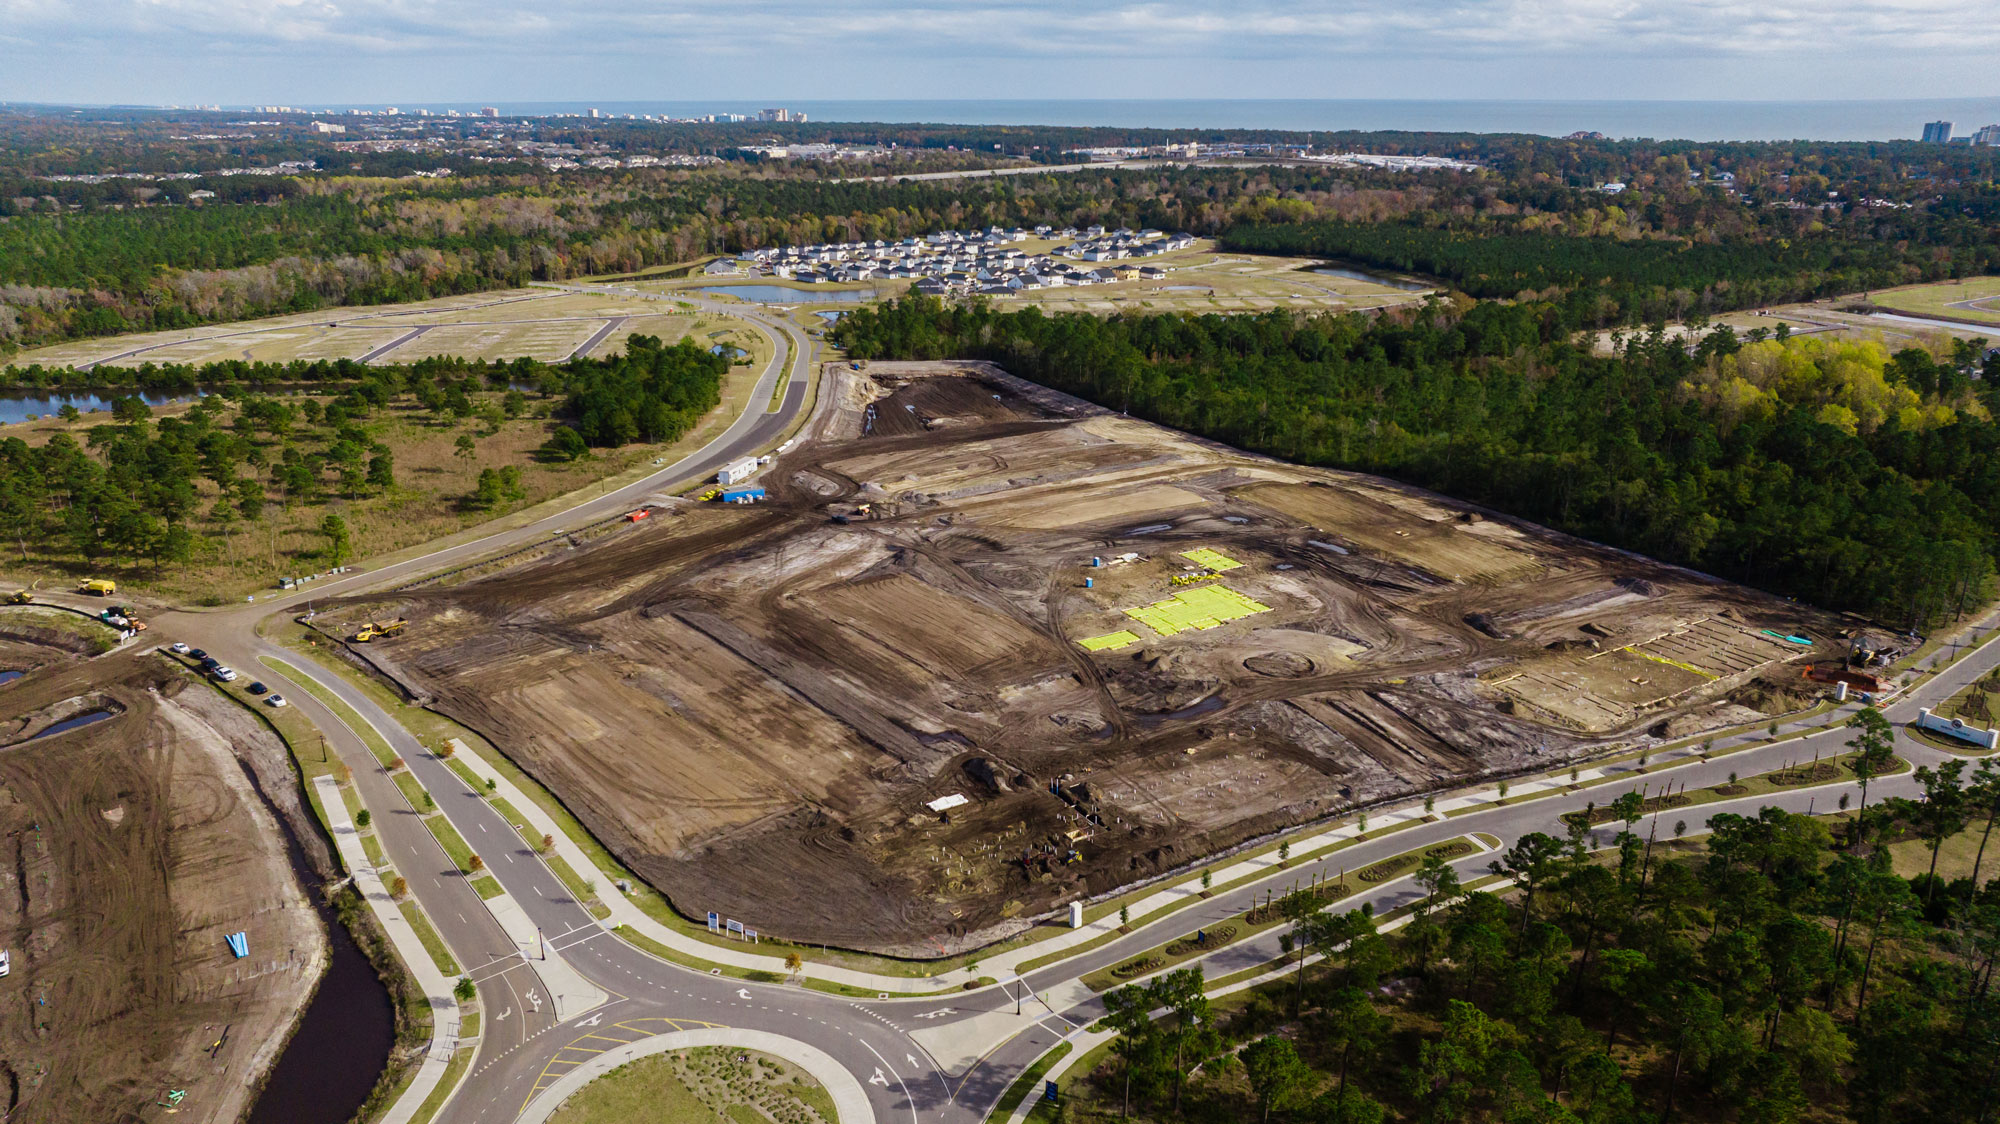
(373, 629)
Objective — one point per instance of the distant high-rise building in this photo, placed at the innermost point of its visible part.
(779, 115)
(594, 113)
(488, 111)
(1988, 135)
(1937, 132)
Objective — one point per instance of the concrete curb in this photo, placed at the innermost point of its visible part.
(624, 913)
(850, 1101)
(445, 1015)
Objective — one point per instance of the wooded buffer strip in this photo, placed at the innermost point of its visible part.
(81, 259)
(1599, 281)
(1641, 450)
(1779, 976)
(168, 491)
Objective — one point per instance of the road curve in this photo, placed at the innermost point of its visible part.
(873, 1041)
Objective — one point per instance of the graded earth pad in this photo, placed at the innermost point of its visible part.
(133, 842)
(986, 649)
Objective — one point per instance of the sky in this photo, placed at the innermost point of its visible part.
(322, 52)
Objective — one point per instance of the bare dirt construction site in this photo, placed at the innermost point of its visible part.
(133, 842)
(987, 649)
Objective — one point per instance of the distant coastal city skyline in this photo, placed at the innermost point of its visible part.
(1972, 119)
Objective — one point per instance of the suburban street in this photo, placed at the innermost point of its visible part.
(941, 1058)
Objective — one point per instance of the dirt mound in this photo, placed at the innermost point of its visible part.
(1281, 665)
(828, 730)
(133, 845)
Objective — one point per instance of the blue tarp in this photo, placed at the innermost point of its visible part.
(239, 943)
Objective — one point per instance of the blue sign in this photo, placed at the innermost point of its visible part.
(714, 921)
(1049, 1091)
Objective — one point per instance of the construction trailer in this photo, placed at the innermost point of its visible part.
(737, 471)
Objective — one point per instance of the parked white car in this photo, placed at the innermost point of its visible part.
(277, 700)
(227, 675)
(6, 965)
(181, 649)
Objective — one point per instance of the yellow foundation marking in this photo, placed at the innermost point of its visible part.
(1671, 663)
(1111, 642)
(1200, 608)
(1213, 559)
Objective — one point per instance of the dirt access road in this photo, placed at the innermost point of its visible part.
(897, 707)
(138, 830)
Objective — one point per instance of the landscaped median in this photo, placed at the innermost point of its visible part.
(583, 864)
(1209, 938)
(1805, 774)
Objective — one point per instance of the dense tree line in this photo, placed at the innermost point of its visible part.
(90, 259)
(1606, 279)
(1845, 476)
(1775, 975)
(649, 393)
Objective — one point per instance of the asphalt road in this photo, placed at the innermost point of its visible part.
(523, 1047)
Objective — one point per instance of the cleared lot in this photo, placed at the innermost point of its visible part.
(898, 707)
(133, 841)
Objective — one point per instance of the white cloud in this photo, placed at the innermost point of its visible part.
(1007, 48)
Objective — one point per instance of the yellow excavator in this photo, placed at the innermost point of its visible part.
(373, 629)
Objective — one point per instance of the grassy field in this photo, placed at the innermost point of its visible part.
(433, 478)
(543, 323)
(1913, 856)
(1947, 298)
(712, 1085)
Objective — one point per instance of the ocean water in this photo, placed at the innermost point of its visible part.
(1685, 120)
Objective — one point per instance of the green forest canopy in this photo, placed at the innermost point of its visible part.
(1831, 472)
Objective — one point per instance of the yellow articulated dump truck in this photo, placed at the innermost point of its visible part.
(373, 629)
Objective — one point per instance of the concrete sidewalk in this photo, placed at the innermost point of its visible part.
(572, 993)
(625, 913)
(416, 959)
(1004, 965)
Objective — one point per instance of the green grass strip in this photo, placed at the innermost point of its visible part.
(341, 710)
(1029, 1081)
(453, 843)
(433, 944)
(454, 1070)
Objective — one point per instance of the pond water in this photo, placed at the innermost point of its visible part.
(779, 294)
(17, 405)
(1356, 273)
(343, 1039)
(831, 315)
(87, 718)
(8, 676)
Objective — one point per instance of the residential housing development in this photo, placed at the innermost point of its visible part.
(974, 261)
